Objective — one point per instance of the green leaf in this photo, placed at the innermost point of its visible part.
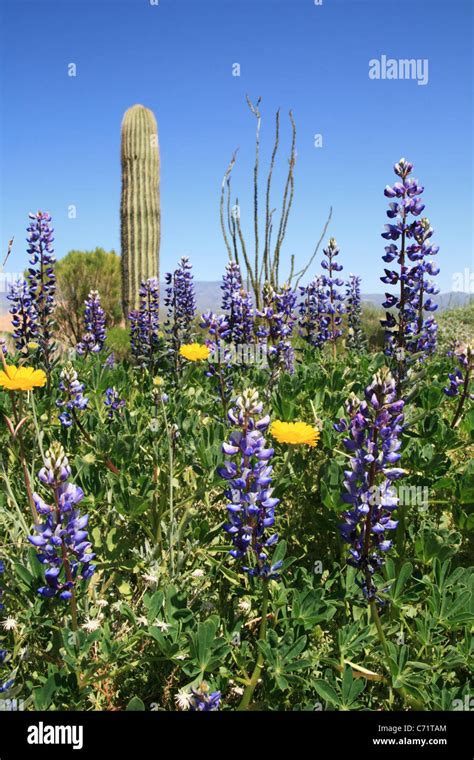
(327, 692)
(135, 705)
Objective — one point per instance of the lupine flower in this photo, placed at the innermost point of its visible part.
(278, 315)
(3, 347)
(355, 336)
(406, 329)
(312, 310)
(180, 300)
(62, 540)
(21, 378)
(237, 305)
(203, 701)
(110, 361)
(334, 306)
(195, 352)
(220, 354)
(145, 323)
(41, 278)
(248, 473)
(294, 433)
(113, 402)
(24, 317)
(460, 380)
(372, 430)
(94, 337)
(72, 395)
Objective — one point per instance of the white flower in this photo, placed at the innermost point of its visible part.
(161, 625)
(10, 624)
(183, 699)
(142, 620)
(150, 578)
(197, 573)
(91, 625)
(101, 603)
(244, 606)
(180, 657)
(237, 691)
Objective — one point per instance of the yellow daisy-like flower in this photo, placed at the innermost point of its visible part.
(194, 352)
(21, 378)
(294, 433)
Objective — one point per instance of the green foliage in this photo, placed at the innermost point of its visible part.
(168, 608)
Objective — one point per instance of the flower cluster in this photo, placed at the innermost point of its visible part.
(72, 395)
(180, 300)
(312, 312)
(278, 319)
(94, 321)
(407, 330)
(145, 322)
(237, 304)
(372, 440)
(41, 278)
(333, 299)
(113, 402)
(248, 473)
(62, 540)
(23, 312)
(355, 336)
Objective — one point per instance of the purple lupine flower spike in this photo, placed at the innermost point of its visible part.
(72, 397)
(62, 540)
(408, 330)
(278, 320)
(238, 307)
(144, 324)
(372, 439)
(42, 280)
(114, 403)
(180, 300)
(355, 337)
(332, 283)
(24, 316)
(248, 473)
(311, 310)
(94, 337)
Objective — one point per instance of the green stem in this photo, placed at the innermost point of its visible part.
(250, 688)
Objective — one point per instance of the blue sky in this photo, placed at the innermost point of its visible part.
(60, 136)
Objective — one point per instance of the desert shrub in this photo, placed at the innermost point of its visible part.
(78, 273)
(456, 324)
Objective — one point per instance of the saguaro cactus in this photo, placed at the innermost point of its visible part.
(140, 203)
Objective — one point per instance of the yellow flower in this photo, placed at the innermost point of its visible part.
(158, 381)
(21, 378)
(194, 352)
(32, 346)
(294, 433)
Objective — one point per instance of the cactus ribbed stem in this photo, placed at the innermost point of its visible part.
(140, 203)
